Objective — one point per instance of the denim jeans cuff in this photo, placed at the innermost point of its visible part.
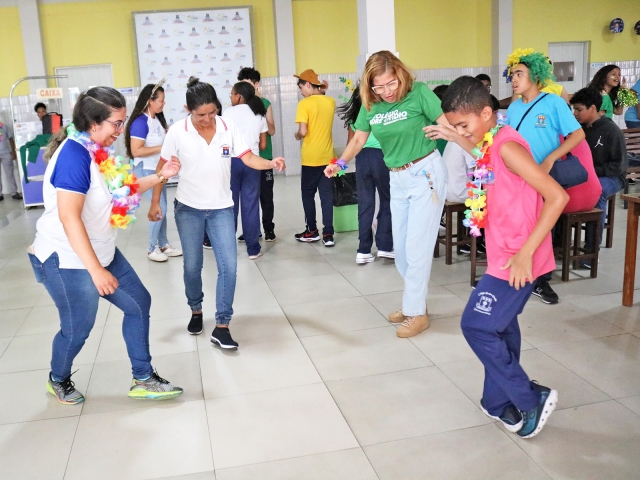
(197, 307)
(223, 320)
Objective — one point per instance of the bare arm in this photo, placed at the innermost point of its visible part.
(258, 163)
(435, 132)
(12, 145)
(262, 144)
(138, 149)
(270, 122)
(520, 162)
(302, 131)
(571, 142)
(350, 134)
(564, 94)
(618, 110)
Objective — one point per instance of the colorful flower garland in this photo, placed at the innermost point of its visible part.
(121, 183)
(342, 164)
(482, 175)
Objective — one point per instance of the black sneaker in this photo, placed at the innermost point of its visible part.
(328, 240)
(535, 418)
(17, 196)
(207, 244)
(222, 336)
(195, 324)
(269, 235)
(546, 293)
(511, 417)
(308, 236)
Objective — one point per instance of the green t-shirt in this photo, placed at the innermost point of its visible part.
(267, 152)
(607, 105)
(398, 126)
(372, 141)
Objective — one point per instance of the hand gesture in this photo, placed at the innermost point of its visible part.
(331, 170)
(171, 168)
(521, 270)
(155, 212)
(435, 132)
(278, 163)
(104, 281)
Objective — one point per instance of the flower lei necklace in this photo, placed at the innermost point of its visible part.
(121, 183)
(482, 175)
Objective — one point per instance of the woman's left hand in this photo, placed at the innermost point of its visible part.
(170, 168)
(278, 163)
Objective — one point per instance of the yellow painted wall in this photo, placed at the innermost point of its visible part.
(12, 62)
(443, 33)
(326, 35)
(86, 33)
(537, 24)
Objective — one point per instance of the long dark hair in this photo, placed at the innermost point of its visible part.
(348, 112)
(248, 93)
(93, 107)
(600, 79)
(200, 93)
(146, 95)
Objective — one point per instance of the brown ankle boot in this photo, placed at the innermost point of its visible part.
(413, 326)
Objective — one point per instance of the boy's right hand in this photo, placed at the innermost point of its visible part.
(331, 170)
(520, 270)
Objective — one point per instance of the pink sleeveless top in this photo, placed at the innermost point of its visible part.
(513, 209)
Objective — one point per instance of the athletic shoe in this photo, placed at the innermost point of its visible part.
(384, 254)
(269, 235)
(64, 391)
(308, 236)
(362, 258)
(157, 255)
(222, 337)
(256, 256)
(536, 418)
(546, 293)
(511, 417)
(466, 249)
(1, 198)
(397, 317)
(153, 388)
(327, 239)
(587, 263)
(207, 244)
(17, 196)
(412, 326)
(241, 238)
(195, 324)
(170, 251)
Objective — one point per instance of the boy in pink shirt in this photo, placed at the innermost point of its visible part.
(522, 205)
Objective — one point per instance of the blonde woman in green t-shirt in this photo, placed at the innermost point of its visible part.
(395, 108)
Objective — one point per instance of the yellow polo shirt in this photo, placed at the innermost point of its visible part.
(317, 146)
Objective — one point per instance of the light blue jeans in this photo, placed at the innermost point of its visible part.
(417, 200)
(157, 230)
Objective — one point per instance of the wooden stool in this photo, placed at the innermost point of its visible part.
(474, 259)
(447, 239)
(608, 221)
(574, 253)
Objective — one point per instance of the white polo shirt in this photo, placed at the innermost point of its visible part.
(205, 176)
(250, 124)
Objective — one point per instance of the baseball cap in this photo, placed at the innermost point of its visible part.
(310, 76)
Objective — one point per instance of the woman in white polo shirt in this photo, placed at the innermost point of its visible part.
(205, 143)
(143, 137)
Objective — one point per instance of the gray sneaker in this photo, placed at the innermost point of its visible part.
(64, 391)
(154, 388)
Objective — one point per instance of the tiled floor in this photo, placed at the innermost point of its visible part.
(321, 388)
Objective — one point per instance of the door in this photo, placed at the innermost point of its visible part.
(81, 79)
(570, 64)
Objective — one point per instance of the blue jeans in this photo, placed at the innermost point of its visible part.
(372, 174)
(245, 188)
(157, 230)
(490, 326)
(610, 186)
(313, 179)
(219, 225)
(417, 201)
(76, 297)
(631, 123)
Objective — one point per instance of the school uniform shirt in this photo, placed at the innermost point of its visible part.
(458, 163)
(249, 124)
(71, 169)
(543, 125)
(608, 148)
(631, 115)
(150, 130)
(398, 125)
(205, 175)
(6, 132)
(372, 141)
(317, 146)
(268, 151)
(607, 105)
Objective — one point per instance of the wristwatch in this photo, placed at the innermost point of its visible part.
(162, 179)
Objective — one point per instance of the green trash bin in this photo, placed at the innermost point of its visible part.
(345, 219)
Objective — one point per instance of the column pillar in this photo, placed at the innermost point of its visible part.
(376, 29)
(32, 41)
(501, 41)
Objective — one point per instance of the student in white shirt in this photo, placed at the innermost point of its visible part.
(143, 137)
(249, 114)
(205, 143)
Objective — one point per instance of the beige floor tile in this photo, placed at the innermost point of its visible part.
(371, 282)
(592, 441)
(344, 260)
(461, 290)
(12, 298)
(393, 406)
(248, 299)
(609, 307)
(609, 363)
(274, 425)
(4, 343)
(488, 453)
(443, 342)
(51, 439)
(458, 272)
(295, 268)
(110, 383)
(293, 291)
(286, 247)
(440, 302)
(46, 319)
(12, 321)
(362, 352)
(632, 403)
(349, 464)
(108, 445)
(255, 367)
(193, 476)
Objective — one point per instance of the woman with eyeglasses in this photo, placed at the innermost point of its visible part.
(88, 193)
(396, 108)
(143, 137)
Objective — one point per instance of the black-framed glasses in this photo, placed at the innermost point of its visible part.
(392, 86)
(119, 124)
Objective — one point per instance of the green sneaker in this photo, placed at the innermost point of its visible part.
(64, 391)
(154, 388)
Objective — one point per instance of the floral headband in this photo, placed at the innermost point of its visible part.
(153, 91)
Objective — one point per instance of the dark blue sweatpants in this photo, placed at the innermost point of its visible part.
(490, 325)
(245, 189)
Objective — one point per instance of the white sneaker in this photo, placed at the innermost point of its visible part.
(362, 258)
(170, 251)
(256, 256)
(383, 254)
(157, 255)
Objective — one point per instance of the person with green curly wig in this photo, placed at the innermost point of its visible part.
(541, 118)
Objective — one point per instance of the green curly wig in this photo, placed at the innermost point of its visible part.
(540, 68)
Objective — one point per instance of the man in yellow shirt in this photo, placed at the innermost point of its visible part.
(314, 117)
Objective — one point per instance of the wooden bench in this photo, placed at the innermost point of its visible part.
(571, 224)
(608, 221)
(475, 263)
(447, 239)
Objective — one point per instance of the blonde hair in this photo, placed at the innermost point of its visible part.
(378, 64)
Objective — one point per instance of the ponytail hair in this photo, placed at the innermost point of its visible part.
(92, 108)
(200, 93)
(248, 93)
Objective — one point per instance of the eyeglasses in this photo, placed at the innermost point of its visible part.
(392, 86)
(119, 124)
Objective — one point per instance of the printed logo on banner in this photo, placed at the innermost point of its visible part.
(226, 70)
(207, 18)
(148, 61)
(166, 62)
(149, 49)
(192, 18)
(227, 84)
(180, 48)
(152, 77)
(209, 46)
(225, 58)
(237, 17)
(223, 31)
(163, 34)
(222, 17)
(147, 21)
(195, 59)
(148, 34)
(212, 73)
(208, 31)
(162, 19)
(178, 33)
(240, 56)
(209, 58)
(167, 88)
(177, 19)
(180, 59)
(194, 46)
(238, 29)
(237, 45)
(194, 33)
(182, 75)
(164, 48)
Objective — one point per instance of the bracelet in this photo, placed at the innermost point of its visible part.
(340, 163)
(162, 179)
